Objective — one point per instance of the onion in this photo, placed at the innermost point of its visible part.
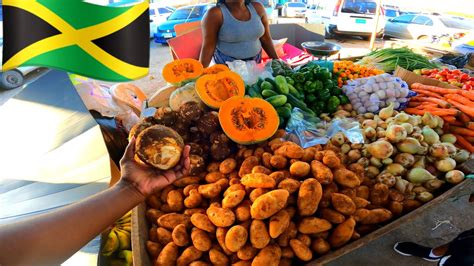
(380, 149)
(450, 138)
(424, 196)
(454, 176)
(405, 159)
(445, 165)
(419, 175)
(395, 133)
(429, 135)
(461, 156)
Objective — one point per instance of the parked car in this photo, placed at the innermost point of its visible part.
(391, 11)
(158, 15)
(182, 15)
(346, 17)
(423, 27)
(294, 9)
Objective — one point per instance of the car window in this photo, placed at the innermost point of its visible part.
(457, 24)
(152, 12)
(164, 10)
(186, 13)
(391, 13)
(296, 5)
(404, 19)
(423, 20)
(359, 6)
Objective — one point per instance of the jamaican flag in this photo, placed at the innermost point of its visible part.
(100, 42)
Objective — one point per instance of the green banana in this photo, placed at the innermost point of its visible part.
(124, 239)
(127, 255)
(111, 245)
(127, 227)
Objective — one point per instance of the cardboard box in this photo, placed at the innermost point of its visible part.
(410, 78)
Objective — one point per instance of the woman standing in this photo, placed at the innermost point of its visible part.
(236, 29)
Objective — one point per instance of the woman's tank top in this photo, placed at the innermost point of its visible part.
(240, 39)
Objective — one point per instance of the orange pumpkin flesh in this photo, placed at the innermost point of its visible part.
(214, 89)
(248, 120)
(182, 70)
(216, 69)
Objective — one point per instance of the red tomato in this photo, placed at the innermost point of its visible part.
(434, 71)
(464, 76)
(450, 76)
(467, 87)
(457, 72)
(445, 72)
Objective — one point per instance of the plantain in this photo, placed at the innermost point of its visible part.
(127, 255)
(124, 239)
(111, 245)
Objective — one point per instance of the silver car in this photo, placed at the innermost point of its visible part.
(422, 27)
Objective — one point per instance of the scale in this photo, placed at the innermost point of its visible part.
(321, 51)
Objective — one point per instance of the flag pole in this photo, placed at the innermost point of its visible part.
(377, 19)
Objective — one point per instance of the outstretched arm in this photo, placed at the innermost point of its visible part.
(266, 39)
(51, 238)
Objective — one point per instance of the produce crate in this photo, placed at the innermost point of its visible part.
(140, 228)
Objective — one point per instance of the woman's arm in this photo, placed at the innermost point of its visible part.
(266, 39)
(51, 238)
(211, 24)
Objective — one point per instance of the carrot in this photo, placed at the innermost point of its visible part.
(462, 131)
(434, 110)
(460, 98)
(464, 143)
(468, 94)
(438, 112)
(470, 125)
(435, 89)
(455, 123)
(428, 93)
(423, 106)
(464, 118)
(440, 102)
(465, 109)
(449, 118)
(470, 139)
(414, 103)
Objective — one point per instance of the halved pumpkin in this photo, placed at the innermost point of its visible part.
(248, 120)
(214, 89)
(182, 70)
(216, 69)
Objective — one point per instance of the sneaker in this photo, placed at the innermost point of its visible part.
(412, 249)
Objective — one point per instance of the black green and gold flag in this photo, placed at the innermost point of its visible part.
(100, 42)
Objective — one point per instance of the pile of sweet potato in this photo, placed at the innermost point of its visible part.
(273, 204)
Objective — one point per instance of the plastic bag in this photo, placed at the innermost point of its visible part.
(308, 130)
(98, 98)
(250, 71)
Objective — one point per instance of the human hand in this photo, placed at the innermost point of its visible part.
(146, 179)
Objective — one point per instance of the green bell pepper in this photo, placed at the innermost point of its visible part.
(290, 81)
(324, 94)
(333, 103)
(344, 99)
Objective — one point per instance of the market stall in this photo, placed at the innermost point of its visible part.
(298, 164)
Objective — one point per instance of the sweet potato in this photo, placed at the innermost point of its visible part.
(270, 255)
(242, 263)
(287, 252)
(346, 178)
(313, 225)
(361, 214)
(236, 238)
(269, 203)
(261, 169)
(190, 212)
(290, 233)
(279, 223)
(255, 193)
(321, 172)
(153, 249)
(217, 257)
(258, 180)
(290, 184)
(164, 192)
(309, 195)
(259, 151)
(188, 188)
(301, 250)
(193, 200)
(221, 217)
(213, 167)
(350, 192)
(209, 190)
(171, 220)
(233, 199)
(242, 212)
(221, 232)
(200, 239)
(203, 222)
(259, 236)
(331, 160)
(395, 207)
(294, 151)
(327, 191)
(278, 176)
(343, 203)
(153, 201)
(320, 246)
(247, 252)
(266, 158)
(285, 262)
(396, 195)
(308, 154)
(363, 192)
(223, 183)
(377, 216)
(180, 236)
(360, 202)
(332, 216)
(152, 236)
(168, 255)
(199, 263)
(234, 187)
(379, 194)
(227, 166)
(163, 235)
(153, 215)
(304, 238)
(213, 177)
(300, 169)
(189, 255)
(247, 165)
(342, 233)
(187, 180)
(278, 161)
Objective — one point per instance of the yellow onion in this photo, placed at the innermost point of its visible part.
(387, 161)
(424, 196)
(345, 148)
(433, 184)
(454, 176)
(395, 133)
(450, 138)
(363, 161)
(369, 123)
(370, 132)
(395, 169)
(408, 127)
(420, 162)
(375, 162)
(380, 149)
(386, 112)
(411, 145)
(451, 148)
(418, 189)
(405, 159)
(387, 179)
(429, 120)
(419, 175)
(439, 151)
(445, 165)
(401, 184)
(461, 156)
(372, 171)
(429, 135)
(402, 117)
(414, 120)
(440, 122)
(338, 139)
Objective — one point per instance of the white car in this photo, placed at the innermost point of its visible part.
(346, 17)
(422, 27)
(294, 9)
(158, 15)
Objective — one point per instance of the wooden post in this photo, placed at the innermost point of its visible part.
(374, 31)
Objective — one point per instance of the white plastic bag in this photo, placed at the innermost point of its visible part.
(250, 71)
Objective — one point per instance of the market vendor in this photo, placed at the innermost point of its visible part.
(236, 29)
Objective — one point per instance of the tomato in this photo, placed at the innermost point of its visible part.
(434, 71)
(450, 76)
(464, 76)
(457, 72)
(425, 71)
(445, 72)
(467, 87)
